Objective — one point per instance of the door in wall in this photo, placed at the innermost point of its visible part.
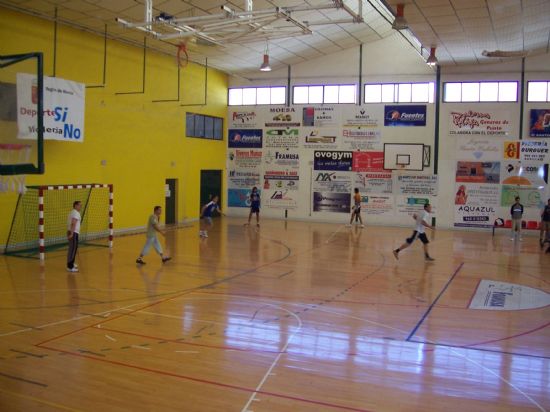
(170, 216)
(211, 185)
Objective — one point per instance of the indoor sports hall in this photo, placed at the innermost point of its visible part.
(274, 205)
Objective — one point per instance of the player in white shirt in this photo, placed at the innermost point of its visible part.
(73, 230)
(419, 232)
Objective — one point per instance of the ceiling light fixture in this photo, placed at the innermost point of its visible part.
(400, 23)
(432, 60)
(265, 67)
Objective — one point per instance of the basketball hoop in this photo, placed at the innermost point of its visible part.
(13, 154)
(182, 58)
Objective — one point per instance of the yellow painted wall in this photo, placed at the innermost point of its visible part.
(142, 142)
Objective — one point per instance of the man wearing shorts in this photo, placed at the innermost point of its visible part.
(356, 210)
(419, 233)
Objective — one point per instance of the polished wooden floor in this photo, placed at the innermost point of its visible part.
(293, 316)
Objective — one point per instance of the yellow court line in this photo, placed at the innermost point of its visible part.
(32, 398)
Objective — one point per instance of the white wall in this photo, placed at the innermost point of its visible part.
(392, 60)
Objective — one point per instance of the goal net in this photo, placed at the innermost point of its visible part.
(39, 223)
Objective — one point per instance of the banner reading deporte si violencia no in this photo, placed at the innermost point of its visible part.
(64, 102)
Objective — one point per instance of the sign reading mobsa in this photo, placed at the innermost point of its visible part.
(63, 108)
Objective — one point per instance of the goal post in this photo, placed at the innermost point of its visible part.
(39, 223)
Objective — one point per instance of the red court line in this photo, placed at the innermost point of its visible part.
(113, 318)
(316, 300)
(187, 343)
(508, 337)
(473, 294)
(208, 382)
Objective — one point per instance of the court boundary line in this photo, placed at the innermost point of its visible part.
(445, 345)
(434, 302)
(205, 381)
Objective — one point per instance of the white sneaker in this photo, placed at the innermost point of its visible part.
(512, 238)
(75, 265)
(362, 226)
(348, 225)
(205, 234)
(73, 270)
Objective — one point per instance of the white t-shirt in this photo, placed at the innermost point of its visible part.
(423, 216)
(74, 215)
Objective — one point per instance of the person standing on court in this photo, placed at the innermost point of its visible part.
(73, 230)
(254, 206)
(516, 211)
(151, 234)
(545, 224)
(419, 232)
(206, 215)
(356, 209)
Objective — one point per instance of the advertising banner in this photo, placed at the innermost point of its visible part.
(539, 123)
(320, 139)
(332, 160)
(405, 115)
(285, 137)
(358, 138)
(320, 116)
(478, 148)
(476, 204)
(534, 151)
(64, 103)
(470, 122)
(280, 199)
(245, 138)
(282, 117)
(478, 172)
(531, 197)
(243, 178)
(514, 172)
(336, 182)
(281, 179)
(511, 149)
(407, 205)
(243, 120)
(368, 162)
(360, 117)
(282, 158)
(416, 185)
(331, 202)
(377, 205)
(377, 183)
(244, 159)
(238, 197)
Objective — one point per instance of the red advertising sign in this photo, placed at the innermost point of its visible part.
(368, 162)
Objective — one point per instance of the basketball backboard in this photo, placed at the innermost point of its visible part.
(21, 156)
(404, 156)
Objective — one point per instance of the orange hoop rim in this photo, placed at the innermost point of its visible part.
(182, 50)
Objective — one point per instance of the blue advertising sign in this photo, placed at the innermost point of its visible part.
(405, 115)
(333, 160)
(238, 197)
(539, 123)
(245, 138)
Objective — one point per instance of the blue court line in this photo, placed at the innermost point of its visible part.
(434, 302)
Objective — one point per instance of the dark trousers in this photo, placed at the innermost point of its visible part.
(71, 253)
